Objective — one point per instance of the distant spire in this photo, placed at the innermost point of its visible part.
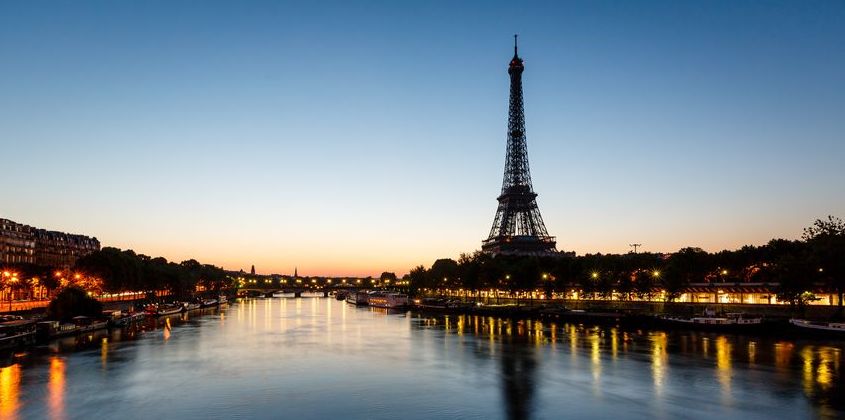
(295, 274)
(252, 271)
(514, 45)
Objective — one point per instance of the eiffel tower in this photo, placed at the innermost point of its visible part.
(518, 228)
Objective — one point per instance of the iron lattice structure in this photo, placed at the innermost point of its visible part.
(518, 228)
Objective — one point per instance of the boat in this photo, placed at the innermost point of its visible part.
(190, 306)
(127, 319)
(86, 323)
(282, 294)
(16, 333)
(340, 295)
(388, 300)
(709, 320)
(431, 303)
(209, 302)
(164, 309)
(115, 317)
(829, 328)
(357, 298)
(46, 330)
(222, 299)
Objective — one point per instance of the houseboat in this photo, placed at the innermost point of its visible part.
(121, 319)
(209, 302)
(86, 323)
(16, 333)
(357, 298)
(836, 329)
(431, 304)
(190, 306)
(46, 330)
(710, 321)
(388, 300)
(164, 309)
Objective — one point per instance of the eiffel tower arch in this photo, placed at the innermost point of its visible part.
(518, 228)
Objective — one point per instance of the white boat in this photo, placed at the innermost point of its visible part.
(190, 306)
(164, 309)
(388, 300)
(209, 302)
(282, 294)
(728, 321)
(816, 326)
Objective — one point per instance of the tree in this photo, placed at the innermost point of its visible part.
(72, 302)
(791, 273)
(388, 276)
(419, 277)
(826, 242)
(644, 283)
(444, 273)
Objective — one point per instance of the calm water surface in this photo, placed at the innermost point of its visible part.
(315, 358)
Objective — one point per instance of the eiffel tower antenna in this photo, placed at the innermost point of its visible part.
(518, 228)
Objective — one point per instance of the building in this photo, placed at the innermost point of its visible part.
(22, 244)
(17, 243)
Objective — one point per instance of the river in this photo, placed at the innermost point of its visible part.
(316, 358)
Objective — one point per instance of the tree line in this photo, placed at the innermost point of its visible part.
(124, 270)
(793, 267)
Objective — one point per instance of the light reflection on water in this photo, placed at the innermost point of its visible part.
(56, 388)
(318, 358)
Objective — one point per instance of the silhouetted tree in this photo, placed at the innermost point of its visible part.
(72, 302)
(826, 241)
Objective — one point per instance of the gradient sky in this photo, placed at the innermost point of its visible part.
(350, 138)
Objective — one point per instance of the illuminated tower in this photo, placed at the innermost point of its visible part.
(518, 228)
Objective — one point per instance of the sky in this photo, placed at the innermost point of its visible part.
(355, 137)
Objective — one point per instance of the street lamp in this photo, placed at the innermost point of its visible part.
(14, 279)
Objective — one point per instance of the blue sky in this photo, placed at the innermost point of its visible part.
(354, 137)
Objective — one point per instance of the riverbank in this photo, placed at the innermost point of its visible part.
(770, 320)
(813, 312)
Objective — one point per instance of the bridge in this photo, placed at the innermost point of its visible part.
(297, 291)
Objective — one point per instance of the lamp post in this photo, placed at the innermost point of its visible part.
(13, 278)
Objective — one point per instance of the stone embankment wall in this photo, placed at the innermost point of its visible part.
(677, 308)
